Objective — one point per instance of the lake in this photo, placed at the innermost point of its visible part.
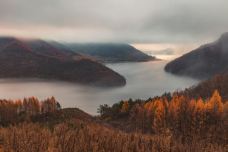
(144, 80)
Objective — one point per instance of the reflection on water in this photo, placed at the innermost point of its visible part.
(144, 80)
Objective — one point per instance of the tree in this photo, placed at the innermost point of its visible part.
(125, 107)
(199, 115)
(49, 105)
(103, 109)
(215, 104)
(159, 120)
(31, 106)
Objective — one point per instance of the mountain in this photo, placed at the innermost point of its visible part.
(111, 52)
(38, 59)
(203, 62)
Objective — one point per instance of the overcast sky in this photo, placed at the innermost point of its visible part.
(132, 21)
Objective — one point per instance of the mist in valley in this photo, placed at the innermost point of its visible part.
(144, 80)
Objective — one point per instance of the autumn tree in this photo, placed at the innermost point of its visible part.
(159, 119)
(199, 116)
(13, 111)
(215, 105)
(31, 106)
(125, 107)
(138, 116)
(49, 105)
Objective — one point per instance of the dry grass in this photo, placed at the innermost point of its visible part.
(78, 136)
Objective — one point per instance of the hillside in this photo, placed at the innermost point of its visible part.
(203, 62)
(41, 60)
(197, 114)
(111, 52)
(205, 88)
(157, 124)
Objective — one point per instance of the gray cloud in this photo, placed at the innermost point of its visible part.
(133, 21)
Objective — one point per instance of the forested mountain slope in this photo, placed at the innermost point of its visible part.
(38, 59)
(203, 62)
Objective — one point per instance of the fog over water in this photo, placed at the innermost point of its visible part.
(144, 80)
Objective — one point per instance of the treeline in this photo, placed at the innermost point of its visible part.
(13, 111)
(184, 117)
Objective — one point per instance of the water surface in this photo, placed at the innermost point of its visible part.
(144, 80)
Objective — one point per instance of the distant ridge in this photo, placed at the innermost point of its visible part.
(111, 52)
(45, 48)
